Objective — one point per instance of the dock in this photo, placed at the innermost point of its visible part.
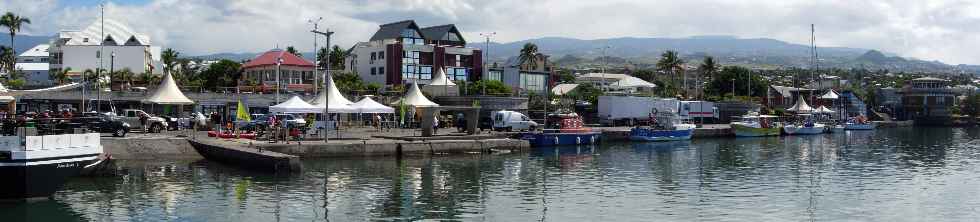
(244, 155)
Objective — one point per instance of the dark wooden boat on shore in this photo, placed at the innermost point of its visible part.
(245, 157)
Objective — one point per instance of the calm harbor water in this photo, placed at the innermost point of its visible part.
(923, 174)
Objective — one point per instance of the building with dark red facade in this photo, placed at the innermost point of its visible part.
(402, 52)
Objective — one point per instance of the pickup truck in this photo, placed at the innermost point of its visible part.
(153, 124)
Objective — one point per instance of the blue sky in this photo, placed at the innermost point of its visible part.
(945, 30)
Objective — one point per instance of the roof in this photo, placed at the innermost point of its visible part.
(561, 89)
(271, 57)
(787, 91)
(603, 76)
(368, 105)
(630, 82)
(168, 93)
(830, 95)
(33, 66)
(40, 50)
(394, 30)
(119, 33)
(436, 32)
(929, 79)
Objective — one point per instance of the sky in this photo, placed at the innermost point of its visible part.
(944, 30)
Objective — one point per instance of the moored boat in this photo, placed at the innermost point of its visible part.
(806, 127)
(755, 125)
(569, 130)
(663, 127)
(859, 123)
(37, 166)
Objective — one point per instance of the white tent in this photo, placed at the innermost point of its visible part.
(441, 80)
(830, 95)
(824, 109)
(800, 107)
(368, 105)
(441, 86)
(562, 89)
(295, 105)
(415, 98)
(335, 101)
(168, 93)
(632, 82)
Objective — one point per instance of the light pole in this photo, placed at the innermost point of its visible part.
(326, 104)
(486, 52)
(278, 73)
(112, 63)
(605, 62)
(316, 52)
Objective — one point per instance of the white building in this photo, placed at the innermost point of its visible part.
(616, 82)
(80, 50)
(33, 63)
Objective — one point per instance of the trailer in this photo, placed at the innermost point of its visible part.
(628, 110)
(698, 110)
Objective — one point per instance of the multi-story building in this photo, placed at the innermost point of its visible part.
(402, 52)
(295, 73)
(107, 44)
(33, 64)
(927, 98)
(526, 77)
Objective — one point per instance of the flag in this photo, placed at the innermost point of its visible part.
(242, 114)
(401, 110)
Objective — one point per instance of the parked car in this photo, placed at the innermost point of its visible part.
(511, 120)
(261, 122)
(153, 124)
(98, 122)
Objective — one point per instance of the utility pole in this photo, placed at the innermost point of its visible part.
(605, 62)
(98, 72)
(486, 52)
(278, 73)
(326, 75)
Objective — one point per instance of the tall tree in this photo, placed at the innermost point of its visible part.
(528, 53)
(169, 57)
(13, 23)
(61, 76)
(672, 64)
(337, 58)
(224, 73)
(7, 59)
(321, 57)
(292, 50)
(708, 70)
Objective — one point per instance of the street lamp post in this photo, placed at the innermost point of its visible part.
(278, 73)
(316, 52)
(326, 104)
(486, 52)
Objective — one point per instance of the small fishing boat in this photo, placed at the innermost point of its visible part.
(806, 127)
(859, 123)
(37, 166)
(755, 125)
(567, 129)
(663, 127)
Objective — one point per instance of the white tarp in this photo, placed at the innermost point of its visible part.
(336, 102)
(632, 82)
(168, 93)
(415, 98)
(800, 106)
(295, 105)
(368, 105)
(562, 89)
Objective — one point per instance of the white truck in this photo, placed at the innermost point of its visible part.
(153, 124)
(511, 120)
(619, 110)
(698, 110)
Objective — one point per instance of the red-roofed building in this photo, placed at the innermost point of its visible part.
(296, 73)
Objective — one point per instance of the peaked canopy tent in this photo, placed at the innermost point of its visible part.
(800, 107)
(332, 100)
(168, 93)
(831, 95)
(824, 110)
(295, 105)
(415, 98)
(368, 105)
(441, 85)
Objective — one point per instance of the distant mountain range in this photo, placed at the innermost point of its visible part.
(644, 52)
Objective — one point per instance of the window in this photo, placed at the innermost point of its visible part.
(297, 78)
(411, 37)
(381, 55)
(425, 72)
(408, 71)
(373, 71)
(533, 82)
(456, 74)
(373, 56)
(495, 75)
(381, 70)
(411, 57)
(459, 60)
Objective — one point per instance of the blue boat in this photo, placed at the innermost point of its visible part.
(663, 127)
(570, 131)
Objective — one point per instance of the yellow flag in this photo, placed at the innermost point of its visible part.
(242, 113)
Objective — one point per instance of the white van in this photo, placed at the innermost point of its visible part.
(510, 120)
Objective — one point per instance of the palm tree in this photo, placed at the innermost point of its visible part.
(528, 52)
(321, 57)
(61, 76)
(708, 68)
(7, 58)
(671, 63)
(337, 58)
(169, 57)
(13, 23)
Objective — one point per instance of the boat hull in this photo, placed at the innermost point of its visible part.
(869, 126)
(247, 158)
(643, 134)
(744, 131)
(798, 130)
(39, 178)
(561, 139)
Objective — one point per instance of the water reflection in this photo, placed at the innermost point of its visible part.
(893, 174)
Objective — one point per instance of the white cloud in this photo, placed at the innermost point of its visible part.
(933, 30)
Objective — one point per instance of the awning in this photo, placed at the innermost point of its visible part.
(295, 105)
(415, 98)
(368, 105)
